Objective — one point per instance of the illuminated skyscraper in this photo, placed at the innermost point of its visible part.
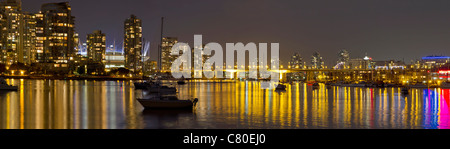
(55, 35)
(166, 57)
(96, 46)
(10, 31)
(296, 62)
(133, 43)
(343, 58)
(28, 39)
(317, 61)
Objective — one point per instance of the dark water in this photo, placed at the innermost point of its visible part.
(41, 104)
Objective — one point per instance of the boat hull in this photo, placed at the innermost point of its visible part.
(140, 86)
(163, 90)
(9, 88)
(166, 104)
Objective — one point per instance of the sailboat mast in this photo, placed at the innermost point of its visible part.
(160, 46)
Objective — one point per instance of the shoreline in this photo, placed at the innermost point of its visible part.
(100, 78)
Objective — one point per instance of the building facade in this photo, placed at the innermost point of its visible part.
(166, 57)
(55, 35)
(317, 61)
(296, 61)
(343, 59)
(114, 60)
(11, 16)
(28, 39)
(133, 43)
(96, 46)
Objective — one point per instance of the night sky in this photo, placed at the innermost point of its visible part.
(384, 29)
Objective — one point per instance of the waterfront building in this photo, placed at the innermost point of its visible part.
(133, 43)
(430, 62)
(444, 72)
(296, 61)
(114, 60)
(96, 46)
(317, 61)
(150, 67)
(343, 59)
(10, 31)
(55, 45)
(166, 57)
(389, 65)
(28, 39)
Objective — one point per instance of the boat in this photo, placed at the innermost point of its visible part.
(280, 87)
(445, 85)
(405, 90)
(392, 85)
(141, 85)
(362, 84)
(316, 86)
(339, 83)
(328, 85)
(419, 85)
(167, 102)
(162, 89)
(379, 84)
(4, 86)
(181, 82)
(146, 84)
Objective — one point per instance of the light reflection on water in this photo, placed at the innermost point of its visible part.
(71, 104)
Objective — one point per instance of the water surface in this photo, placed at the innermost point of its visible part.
(74, 104)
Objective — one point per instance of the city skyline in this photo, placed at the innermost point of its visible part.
(384, 30)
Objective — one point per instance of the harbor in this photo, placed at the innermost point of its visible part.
(83, 104)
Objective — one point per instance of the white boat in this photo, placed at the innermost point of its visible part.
(6, 87)
(167, 102)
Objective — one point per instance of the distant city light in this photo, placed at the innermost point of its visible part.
(444, 71)
(435, 57)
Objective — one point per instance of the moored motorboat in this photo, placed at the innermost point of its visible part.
(4, 86)
(328, 85)
(418, 85)
(280, 87)
(181, 82)
(167, 102)
(316, 86)
(405, 90)
(445, 85)
(162, 89)
(140, 85)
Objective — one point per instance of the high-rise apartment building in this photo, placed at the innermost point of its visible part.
(296, 61)
(317, 61)
(133, 43)
(96, 46)
(10, 31)
(166, 57)
(27, 39)
(55, 35)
